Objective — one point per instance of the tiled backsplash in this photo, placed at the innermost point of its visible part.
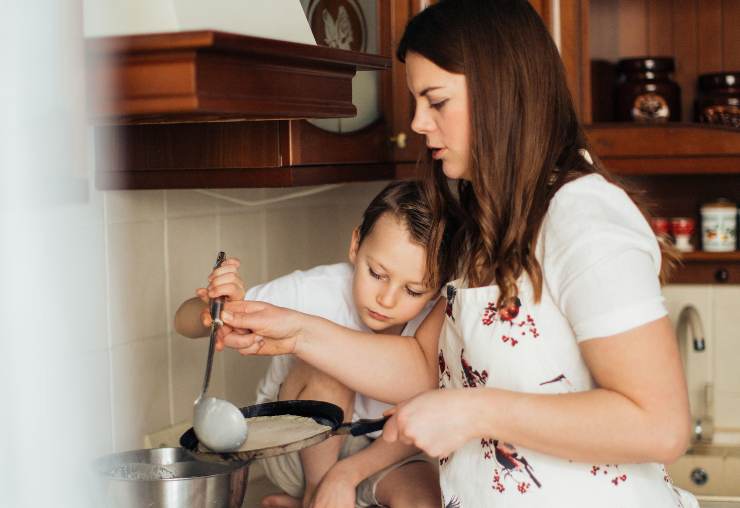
(161, 244)
(719, 308)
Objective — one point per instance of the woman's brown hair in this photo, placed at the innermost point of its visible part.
(525, 132)
(426, 222)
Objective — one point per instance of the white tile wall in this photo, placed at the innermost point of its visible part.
(719, 308)
(140, 390)
(160, 247)
(137, 280)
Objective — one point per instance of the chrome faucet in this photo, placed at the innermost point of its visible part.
(691, 339)
(690, 316)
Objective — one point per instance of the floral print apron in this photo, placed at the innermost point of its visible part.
(528, 347)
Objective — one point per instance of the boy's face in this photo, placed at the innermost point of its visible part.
(388, 287)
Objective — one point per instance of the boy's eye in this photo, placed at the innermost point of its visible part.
(372, 273)
(415, 294)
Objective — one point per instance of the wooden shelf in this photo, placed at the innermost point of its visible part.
(714, 257)
(209, 76)
(708, 268)
(669, 149)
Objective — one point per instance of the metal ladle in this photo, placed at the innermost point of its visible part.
(218, 423)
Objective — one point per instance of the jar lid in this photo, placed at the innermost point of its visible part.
(646, 63)
(719, 80)
(720, 203)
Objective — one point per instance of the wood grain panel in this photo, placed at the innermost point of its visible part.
(666, 140)
(709, 36)
(236, 178)
(660, 27)
(206, 74)
(731, 35)
(686, 53)
(575, 54)
(633, 27)
(175, 147)
(403, 102)
(311, 145)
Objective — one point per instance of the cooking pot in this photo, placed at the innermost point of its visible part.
(168, 478)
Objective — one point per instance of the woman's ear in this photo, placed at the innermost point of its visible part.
(354, 245)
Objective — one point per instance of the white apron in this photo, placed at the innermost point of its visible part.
(528, 348)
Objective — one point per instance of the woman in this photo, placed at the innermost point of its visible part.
(561, 382)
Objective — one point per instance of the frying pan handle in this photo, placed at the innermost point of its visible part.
(362, 426)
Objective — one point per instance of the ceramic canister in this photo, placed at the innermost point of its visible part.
(719, 226)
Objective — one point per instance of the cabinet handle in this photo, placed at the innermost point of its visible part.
(699, 476)
(399, 139)
(722, 275)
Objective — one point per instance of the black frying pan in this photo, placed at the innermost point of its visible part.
(324, 413)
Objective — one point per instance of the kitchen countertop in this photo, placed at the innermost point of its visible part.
(714, 502)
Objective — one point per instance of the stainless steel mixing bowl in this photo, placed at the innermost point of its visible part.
(168, 478)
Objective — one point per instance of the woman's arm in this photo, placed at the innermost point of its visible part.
(388, 368)
(637, 413)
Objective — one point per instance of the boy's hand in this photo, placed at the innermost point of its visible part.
(223, 281)
(336, 490)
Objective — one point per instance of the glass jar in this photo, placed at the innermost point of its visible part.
(718, 101)
(645, 91)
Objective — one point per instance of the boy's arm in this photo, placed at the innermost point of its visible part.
(339, 484)
(188, 320)
(223, 281)
(379, 455)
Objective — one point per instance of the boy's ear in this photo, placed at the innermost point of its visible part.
(354, 245)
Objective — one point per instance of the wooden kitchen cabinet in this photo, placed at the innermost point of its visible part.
(172, 149)
(679, 165)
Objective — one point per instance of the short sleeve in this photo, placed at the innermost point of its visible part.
(600, 259)
(283, 291)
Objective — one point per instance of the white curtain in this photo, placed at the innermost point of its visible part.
(54, 356)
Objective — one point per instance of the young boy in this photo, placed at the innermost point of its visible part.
(385, 288)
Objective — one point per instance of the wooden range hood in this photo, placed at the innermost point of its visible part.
(210, 87)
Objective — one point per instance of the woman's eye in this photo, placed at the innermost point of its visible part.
(437, 105)
(373, 274)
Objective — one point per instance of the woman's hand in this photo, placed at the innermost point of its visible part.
(336, 490)
(438, 422)
(260, 328)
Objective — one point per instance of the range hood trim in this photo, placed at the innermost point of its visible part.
(209, 75)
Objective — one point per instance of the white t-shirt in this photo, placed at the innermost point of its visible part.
(600, 263)
(324, 291)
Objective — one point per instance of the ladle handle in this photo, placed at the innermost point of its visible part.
(216, 304)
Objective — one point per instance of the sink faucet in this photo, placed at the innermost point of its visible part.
(691, 339)
(689, 319)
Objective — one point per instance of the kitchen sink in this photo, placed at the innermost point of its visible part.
(712, 473)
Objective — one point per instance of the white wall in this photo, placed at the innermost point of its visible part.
(719, 308)
(160, 246)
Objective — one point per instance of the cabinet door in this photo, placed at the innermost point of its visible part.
(358, 25)
(381, 131)
(407, 145)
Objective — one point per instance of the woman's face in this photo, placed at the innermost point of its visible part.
(442, 113)
(388, 284)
